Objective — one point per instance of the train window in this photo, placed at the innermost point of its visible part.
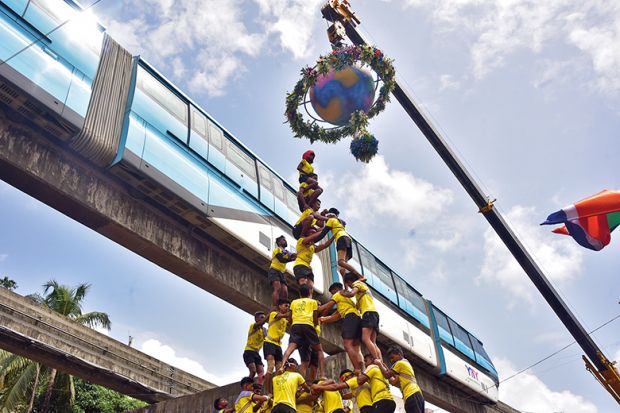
(368, 261)
(58, 11)
(444, 326)
(384, 275)
(278, 188)
(291, 200)
(265, 177)
(478, 348)
(199, 123)
(241, 159)
(216, 136)
(162, 95)
(461, 337)
(415, 298)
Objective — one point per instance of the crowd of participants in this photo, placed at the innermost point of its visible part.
(288, 386)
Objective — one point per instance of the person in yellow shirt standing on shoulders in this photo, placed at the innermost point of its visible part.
(344, 245)
(256, 338)
(272, 348)
(285, 387)
(277, 270)
(351, 329)
(304, 318)
(382, 399)
(305, 252)
(366, 305)
(401, 374)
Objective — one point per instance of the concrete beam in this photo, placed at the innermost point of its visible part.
(41, 167)
(38, 333)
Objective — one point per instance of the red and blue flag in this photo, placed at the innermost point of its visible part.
(589, 221)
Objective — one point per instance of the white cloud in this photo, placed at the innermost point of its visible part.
(396, 196)
(293, 21)
(559, 257)
(527, 392)
(167, 354)
(447, 243)
(447, 82)
(501, 27)
(202, 41)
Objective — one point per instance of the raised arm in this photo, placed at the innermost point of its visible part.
(324, 245)
(349, 293)
(329, 386)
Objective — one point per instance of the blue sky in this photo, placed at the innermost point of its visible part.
(527, 93)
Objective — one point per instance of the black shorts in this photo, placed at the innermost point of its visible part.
(351, 327)
(415, 403)
(344, 243)
(303, 335)
(250, 357)
(282, 408)
(367, 409)
(370, 319)
(384, 406)
(297, 230)
(303, 178)
(270, 349)
(301, 271)
(307, 355)
(275, 275)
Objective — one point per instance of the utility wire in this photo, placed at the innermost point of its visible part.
(38, 39)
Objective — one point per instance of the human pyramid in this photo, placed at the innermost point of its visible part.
(292, 387)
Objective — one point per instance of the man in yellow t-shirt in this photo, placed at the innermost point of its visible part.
(256, 338)
(305, 253)
(332, 399)
(382, 399)
(308, 192)
(309, 217)
(370, 317)
(247, 398)
(401, 374)
(351, 328)
(349, 381)
(277, 270)
(304, 318)
(272, 348)
(344, 245)
(285, 386)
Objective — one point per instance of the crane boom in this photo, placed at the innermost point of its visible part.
(344, 23)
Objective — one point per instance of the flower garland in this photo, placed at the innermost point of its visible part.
(364, 145)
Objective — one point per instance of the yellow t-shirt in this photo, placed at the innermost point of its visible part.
(276, 329)
(304, 253)
(364, 299)
(363, 397)
(337, 228)
(304, 407)
(304, 188)
(303, 310)
(332, 400)
(306, 167)
(307, 212)
(244, 403)
(275, 262)
(256, 338)
(344, 305)
(406, 378)
(285, 387)
(379, 385)
(318, 406)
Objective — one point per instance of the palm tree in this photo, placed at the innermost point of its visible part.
(19, 374)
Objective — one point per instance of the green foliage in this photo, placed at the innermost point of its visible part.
(21, 377)
(358, 123)
(91, 398)
(8, 283)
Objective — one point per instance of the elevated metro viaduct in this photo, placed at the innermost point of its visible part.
(34, 331)
(49, 171)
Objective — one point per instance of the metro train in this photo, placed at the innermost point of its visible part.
(76, 83)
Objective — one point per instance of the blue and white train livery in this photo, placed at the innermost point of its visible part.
(116, 110)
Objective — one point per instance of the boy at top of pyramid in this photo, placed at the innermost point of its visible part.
(343, 241)
(308, 179)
